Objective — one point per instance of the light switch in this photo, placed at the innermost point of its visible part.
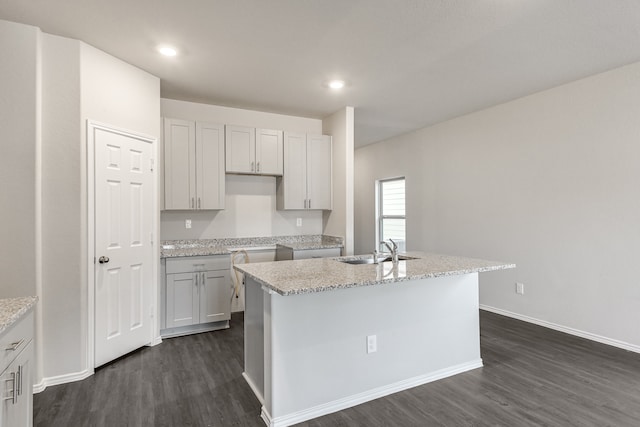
(187, 223)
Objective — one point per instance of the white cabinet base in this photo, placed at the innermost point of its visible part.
(194, 329)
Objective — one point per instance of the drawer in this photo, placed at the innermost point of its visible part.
(198, 263)
(14, 340)
(316, 253)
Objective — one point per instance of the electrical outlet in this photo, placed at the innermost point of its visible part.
(187, 223)
(372, 343)
(298, 222)
(519, 288)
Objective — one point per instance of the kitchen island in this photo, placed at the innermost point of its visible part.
(323, 335)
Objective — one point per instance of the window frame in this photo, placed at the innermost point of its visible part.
(380, 217)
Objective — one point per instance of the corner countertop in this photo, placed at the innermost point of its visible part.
(326, 242)
(326, 274)
(12, 310)
(207, 247)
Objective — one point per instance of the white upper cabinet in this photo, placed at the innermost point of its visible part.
(240, 144)
(253, 151)
(193, 165)
(269, 152)
(306, 182)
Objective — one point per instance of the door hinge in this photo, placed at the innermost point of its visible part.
(151, 164)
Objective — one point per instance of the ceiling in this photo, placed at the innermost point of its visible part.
(407, 63)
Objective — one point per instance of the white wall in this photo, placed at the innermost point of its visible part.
(250, 204)
(62, 190)
(19, 127)
(79, 82)
(550, 182)
(339, 221)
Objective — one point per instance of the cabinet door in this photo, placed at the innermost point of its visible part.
(319, 172)
(179, 164)
(293, 188)
(269, 155)
(215, 296)
(240, 143)
(182, 299)
(17, 409)
(210, 180)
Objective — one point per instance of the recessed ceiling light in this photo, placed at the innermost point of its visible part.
(336, 84)
(167, 51)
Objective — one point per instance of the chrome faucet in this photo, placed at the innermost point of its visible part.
(393, 248)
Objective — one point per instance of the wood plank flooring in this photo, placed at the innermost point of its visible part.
(532, 376)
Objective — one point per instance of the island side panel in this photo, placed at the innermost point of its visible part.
(254, 337)
(426, 329)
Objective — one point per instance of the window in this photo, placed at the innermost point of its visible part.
(391, 211)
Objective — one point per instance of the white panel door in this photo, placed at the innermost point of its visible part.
(269, 155)
(319, 172)
(179, 164)
(124, 218)
(240, 143)
(183, 299)
(215, 296)
(295, 170)
(210, 182)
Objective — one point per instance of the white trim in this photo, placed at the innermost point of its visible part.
(576, 332)
(92, 125)
(254, 388)
(357, 399)
(61, 379)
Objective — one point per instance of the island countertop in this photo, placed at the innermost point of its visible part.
(325, 274)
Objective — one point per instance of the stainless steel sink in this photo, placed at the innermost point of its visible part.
(357, 261)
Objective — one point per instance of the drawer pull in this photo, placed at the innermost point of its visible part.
(14, 345)
(19, 381)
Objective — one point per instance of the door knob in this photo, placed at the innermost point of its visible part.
(103, 259)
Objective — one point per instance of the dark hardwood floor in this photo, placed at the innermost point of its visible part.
(532, 376)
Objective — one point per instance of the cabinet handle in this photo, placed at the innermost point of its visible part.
(258, 167)
(197, 276)
(19, 381)
(14, 345)
(309, 203)
(202, 281)
(198, 202)
(252, 167)
(193, 204)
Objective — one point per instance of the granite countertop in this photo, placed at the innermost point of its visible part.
(12, 310)
(327, 242)
(325, 274)
(206, 247)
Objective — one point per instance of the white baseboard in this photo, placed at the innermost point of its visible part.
(357, 399)
(582, 334)
(157, 340)
(61, 379)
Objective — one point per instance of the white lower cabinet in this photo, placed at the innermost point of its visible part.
(16, 408)
(197, 295)
(283, 253)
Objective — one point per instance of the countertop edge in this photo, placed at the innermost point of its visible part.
(456, 272)
(26, 304)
